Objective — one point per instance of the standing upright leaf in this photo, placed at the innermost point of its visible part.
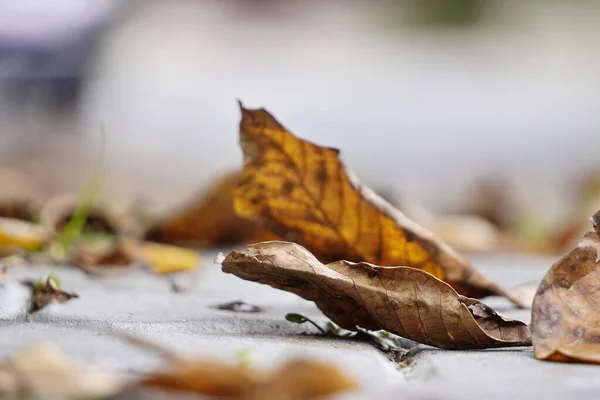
(402, 300)
(304, 193)
(565, 317)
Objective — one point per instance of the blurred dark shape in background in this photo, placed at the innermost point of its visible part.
(44, 49)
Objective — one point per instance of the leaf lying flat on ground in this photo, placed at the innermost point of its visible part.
(161, 258)
(405, 301)
(304, 193)
(43, 372)
(208, 221)
(295, 380)
(100, 254)
(565, 317)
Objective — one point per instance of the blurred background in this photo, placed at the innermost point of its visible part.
(426, 98)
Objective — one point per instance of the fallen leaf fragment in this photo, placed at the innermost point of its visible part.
(99, 254)
(402, 300)
(161, 258)
(102, 254)
(43, 372)
(299, 380)
(295, 380)
(302, 192)
(467, 232)
(21, 235)
(208, 221)
(45, 291)
(565, 317)
(208, 377)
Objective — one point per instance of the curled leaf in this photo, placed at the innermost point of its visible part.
(405, 301)
(303, 193)
(565, 317)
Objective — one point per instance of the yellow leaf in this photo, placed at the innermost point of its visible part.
(17, 234)
(162, 258)
(304, 193)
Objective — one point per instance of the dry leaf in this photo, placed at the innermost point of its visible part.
(296, 380)
(21, 235)
(565, 317)
(304, 193)
(467, 232)
(211, 378)
(45, 291)
(100, 254)
(300, 380)
(405, 301)
(44, 372)
(161, 258)
(208, 221)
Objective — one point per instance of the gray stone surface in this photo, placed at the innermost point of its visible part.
(189, 323)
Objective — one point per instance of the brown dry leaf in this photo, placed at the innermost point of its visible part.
(565, 317)
(45, 291)
(402, 300)
(301, 380)
(304, 193)
(211, 378)
(161, 258)
(295, 380)
(44, 372)
(209, 221)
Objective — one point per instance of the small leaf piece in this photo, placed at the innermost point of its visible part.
(46, 290)
(565, 317)
(161, 258)
(295, 380)
(43, 372)
(405, 301)
(302, 192)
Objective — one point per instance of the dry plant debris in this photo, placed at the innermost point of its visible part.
(405, 301)
(46, 290)
(565, 317)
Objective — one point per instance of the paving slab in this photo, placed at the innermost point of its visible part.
(190, 323)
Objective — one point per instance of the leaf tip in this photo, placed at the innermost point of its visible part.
(241, 105)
